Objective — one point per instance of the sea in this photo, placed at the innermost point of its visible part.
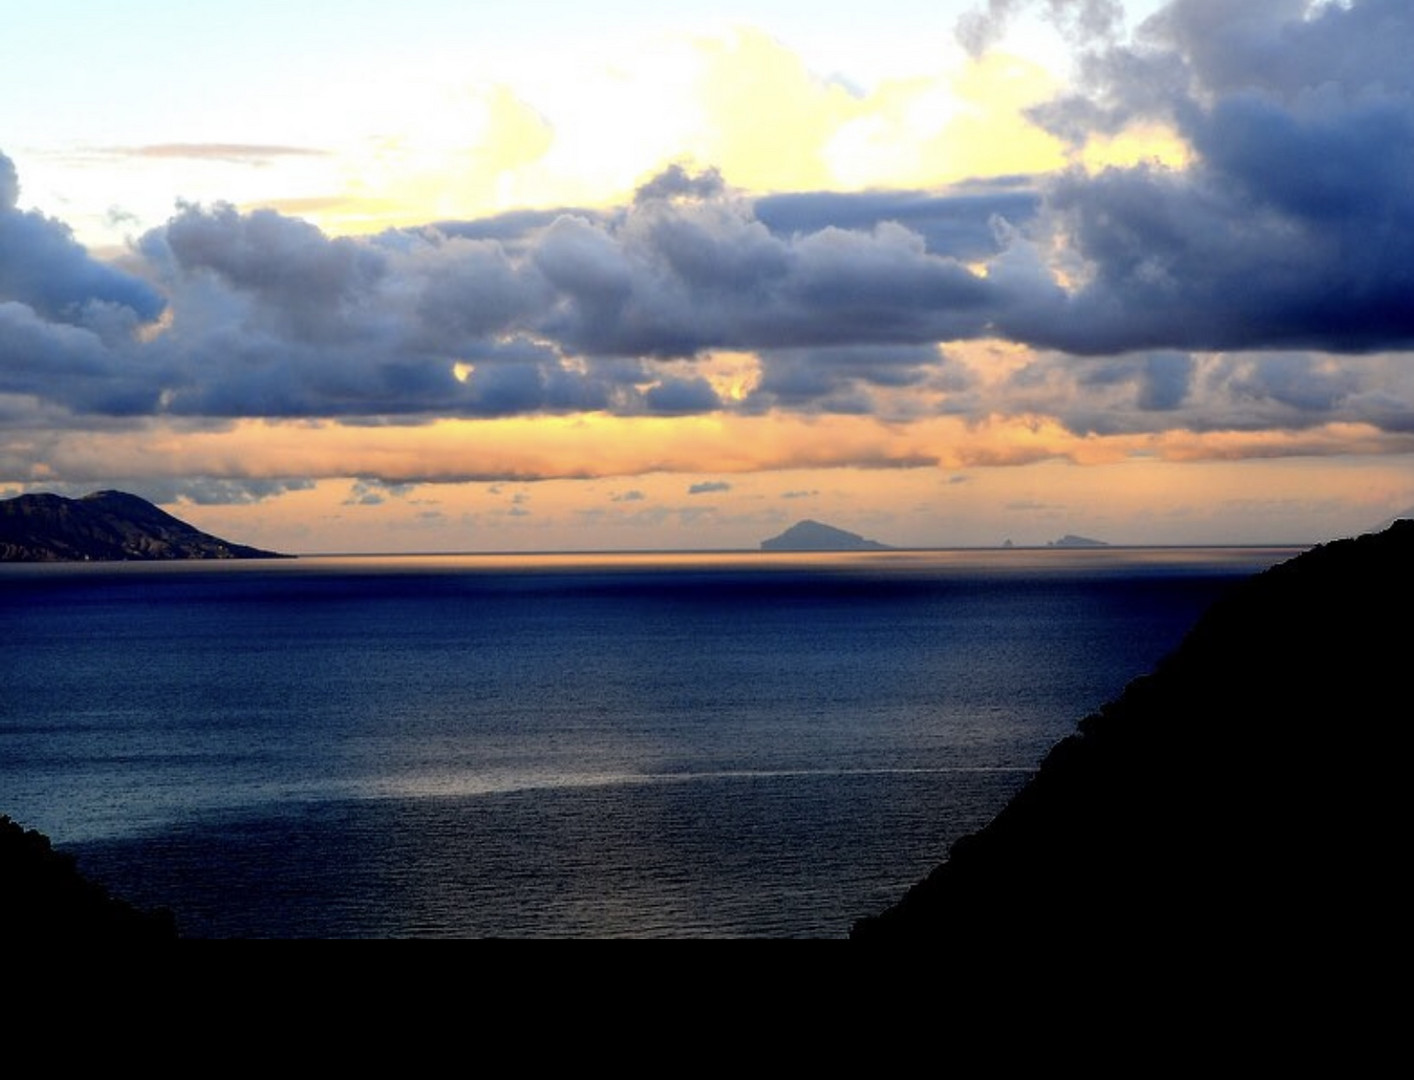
(646, 745)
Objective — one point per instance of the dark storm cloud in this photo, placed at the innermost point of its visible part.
(1291, 233)
(1293, 228)
(838, 378)
(961, 226)
(514, 230)
(680, 397)
(881, 287)
(1161, 381)
(71, 366)
(1251, 391)
(1296, 381)
(1164, 380)
(472, 288)
(273, 318)
(677, 276)
(312, 287)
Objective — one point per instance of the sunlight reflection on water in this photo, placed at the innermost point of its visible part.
(684, 740)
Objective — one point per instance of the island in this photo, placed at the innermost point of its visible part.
(106, 526)
(1070, 540)
(1244, 804)
(814, 536)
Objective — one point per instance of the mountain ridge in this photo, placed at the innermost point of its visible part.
(105, 526)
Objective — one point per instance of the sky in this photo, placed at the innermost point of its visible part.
(436, 276)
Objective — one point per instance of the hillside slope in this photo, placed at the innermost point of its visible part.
(44, 899)
(1247, 798)
(104, 526)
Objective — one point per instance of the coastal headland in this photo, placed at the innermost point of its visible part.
(106, 526)
(1245, 799)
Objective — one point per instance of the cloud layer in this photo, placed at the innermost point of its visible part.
(1265, 286)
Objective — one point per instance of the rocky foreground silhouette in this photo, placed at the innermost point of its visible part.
(43, 898)
(1245, 800)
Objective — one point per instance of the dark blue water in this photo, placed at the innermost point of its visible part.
(717, 745)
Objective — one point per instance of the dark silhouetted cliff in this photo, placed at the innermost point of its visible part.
(1245, 799)
(44, 899)
(105, 526)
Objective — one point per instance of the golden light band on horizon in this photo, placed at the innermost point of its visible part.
(593, 446)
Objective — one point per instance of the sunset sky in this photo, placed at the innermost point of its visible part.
(442, 276)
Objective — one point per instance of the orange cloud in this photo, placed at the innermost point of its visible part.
(600, 446)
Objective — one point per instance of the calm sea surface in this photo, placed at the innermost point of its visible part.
(674, 745)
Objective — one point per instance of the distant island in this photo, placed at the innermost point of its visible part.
(813, 536)
(107, 526)
(1069, 540)
(1244, 804)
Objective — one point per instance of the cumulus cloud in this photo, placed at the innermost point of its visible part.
(45, 269)
(219, 491)
(843, 378)
(1207, 392)
(310, 287)
(1294, 225)
(960, 224)
(1264, 284)
(1081, 20)
(364, 493)
(266, 316)
(677, 182)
